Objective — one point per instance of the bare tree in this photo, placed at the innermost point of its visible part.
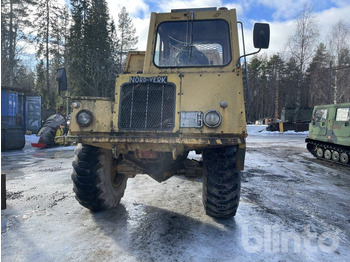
(301, 46)
(339, 46)
(127, 32)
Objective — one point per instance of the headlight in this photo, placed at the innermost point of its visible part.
(76, 105)
(212, 118)
(84, 118)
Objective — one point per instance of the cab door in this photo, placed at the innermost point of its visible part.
(341, 125)
(318, 125)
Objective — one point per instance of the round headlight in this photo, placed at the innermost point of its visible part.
(76, 104)
(84, 118)
(212, 118)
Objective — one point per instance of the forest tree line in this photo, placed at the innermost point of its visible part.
(82, 38)
(92, 47)
(309, 72)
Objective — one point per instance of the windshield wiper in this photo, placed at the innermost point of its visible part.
(189, 33)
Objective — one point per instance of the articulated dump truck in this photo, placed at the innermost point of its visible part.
(329, 133)
(185, 93)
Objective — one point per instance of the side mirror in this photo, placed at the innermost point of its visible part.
(61, 79)
(261, 35)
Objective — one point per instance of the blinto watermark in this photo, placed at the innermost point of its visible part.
(273, 239)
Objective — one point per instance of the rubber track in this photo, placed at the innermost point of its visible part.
(330, 147)
(221, 182)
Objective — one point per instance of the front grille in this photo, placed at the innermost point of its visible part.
(147, 106)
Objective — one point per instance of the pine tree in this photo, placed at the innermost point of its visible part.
(341, 93)
(293, 75)
(51, 21)
(318, 77)
(275, 70)
(257, 107)
(40, 84)
(101, 70)
(254, 69)
(47, 15)
(91, 50)
(14, 20)
(76, 48)
(59, 35)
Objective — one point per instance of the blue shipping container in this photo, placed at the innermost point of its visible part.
(9, 103)
(12, 106)
(12, 121)
(4, 103)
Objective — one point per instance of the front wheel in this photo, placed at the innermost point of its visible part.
(221, 182)
(97, 185)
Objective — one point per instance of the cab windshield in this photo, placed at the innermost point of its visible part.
(192, 44)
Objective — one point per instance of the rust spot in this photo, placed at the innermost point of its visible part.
(147, 154)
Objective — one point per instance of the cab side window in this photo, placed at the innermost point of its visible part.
(343, 114)
(320, 115)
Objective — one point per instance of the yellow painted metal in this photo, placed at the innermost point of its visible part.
(203, 92)
(59, 132)
(101, 109)
(127, 142)
(281, 127)
(197, 89)
(156, 19)
(134, 62)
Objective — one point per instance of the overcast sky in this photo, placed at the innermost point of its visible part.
(280, 14)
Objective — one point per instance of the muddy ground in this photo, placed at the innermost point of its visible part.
(293, 208)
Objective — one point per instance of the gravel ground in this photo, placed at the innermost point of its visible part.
(293, 208)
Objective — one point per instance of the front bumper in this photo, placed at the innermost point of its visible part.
(182, 140)
(178, 144)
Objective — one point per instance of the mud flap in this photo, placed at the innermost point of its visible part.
(240, 156)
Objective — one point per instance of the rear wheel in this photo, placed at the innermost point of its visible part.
(97, 185)
(344, 158)
(327, 154)
(335, 156)
(319, 152)
(221, 182)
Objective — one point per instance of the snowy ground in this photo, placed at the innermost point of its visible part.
(293, 208)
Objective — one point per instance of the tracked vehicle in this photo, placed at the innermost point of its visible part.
(184, 93)
(329, 133)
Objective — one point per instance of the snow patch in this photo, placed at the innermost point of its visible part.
(193, 155)
(32, 139)
(261, 130)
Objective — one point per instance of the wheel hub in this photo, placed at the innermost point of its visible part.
(117, 180)
(319, 152)
(344, 158)
(327, 154)
(335, 156)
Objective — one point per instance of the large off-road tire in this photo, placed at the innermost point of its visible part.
(97, 185)
(221, 182)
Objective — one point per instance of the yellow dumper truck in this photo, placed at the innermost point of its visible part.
(184, 93)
